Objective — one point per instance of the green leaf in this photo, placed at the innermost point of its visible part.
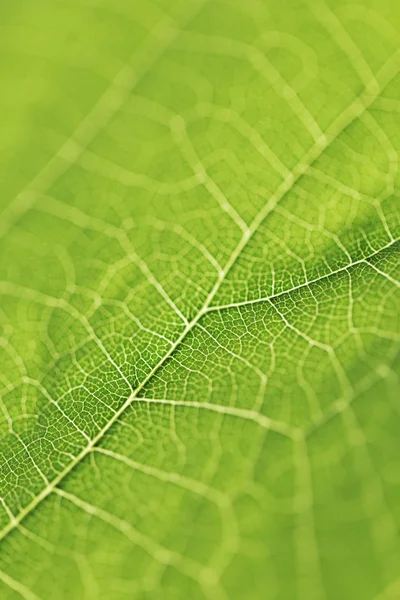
(199, 300)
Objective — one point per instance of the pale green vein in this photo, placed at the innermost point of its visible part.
(354, 110)
(105, 108)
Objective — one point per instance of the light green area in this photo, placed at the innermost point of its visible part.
(199, 300)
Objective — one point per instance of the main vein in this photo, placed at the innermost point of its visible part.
(353, 111)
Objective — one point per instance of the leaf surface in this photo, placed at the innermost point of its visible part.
(199, 300)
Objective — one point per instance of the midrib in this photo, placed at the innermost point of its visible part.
(350, 114)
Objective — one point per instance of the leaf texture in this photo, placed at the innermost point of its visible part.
(199, 297)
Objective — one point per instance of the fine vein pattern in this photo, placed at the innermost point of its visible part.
(199, 300)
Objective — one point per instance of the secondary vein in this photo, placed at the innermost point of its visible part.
(353, 112)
